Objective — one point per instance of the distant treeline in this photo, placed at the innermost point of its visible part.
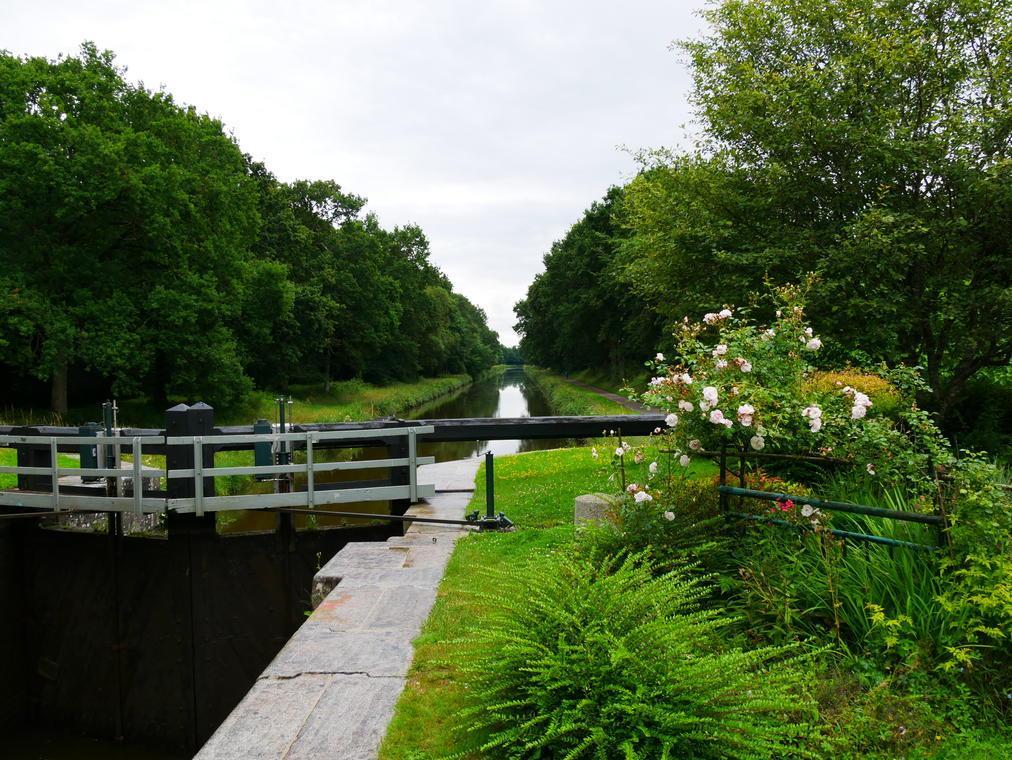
(868, 143)
(142, 252)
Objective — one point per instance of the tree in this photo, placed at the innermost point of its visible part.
(124, 225)
(577, 314)
(140, 245)
(869, 141)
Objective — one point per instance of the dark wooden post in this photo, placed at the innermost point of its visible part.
(33, 455)
(397, 448)
(190, 537)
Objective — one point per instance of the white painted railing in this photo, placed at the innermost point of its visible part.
(312, 497)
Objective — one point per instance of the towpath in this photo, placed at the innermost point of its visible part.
(632, 406)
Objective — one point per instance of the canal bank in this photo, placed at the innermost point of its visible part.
(331, 690)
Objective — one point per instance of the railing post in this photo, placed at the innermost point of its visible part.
(32, 455)
(397, 448)
(489, 486)
(723, 479)
(191, 537)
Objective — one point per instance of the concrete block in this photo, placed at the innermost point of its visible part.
(331, 690)
(593, 507)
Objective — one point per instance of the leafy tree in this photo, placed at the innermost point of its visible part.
(141, 246)
(124, 224)
(577, 314)
(866, 140)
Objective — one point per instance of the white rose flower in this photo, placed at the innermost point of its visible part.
(659, 357)
(671, 420)
(720, 364)
(710, 394)
(685, 406)
(669, 516)
(815, 425)
(642, 496)
(684, 460)
(745, 367)
(686, 378)
(757, 442)
(720, 350)
(870, 468)
(695, 445)
(710, 318)
(725, 314)
(814, 344)
(619, 452)
(632, 488)
(807, 510)
(717, 417)
(653, 468)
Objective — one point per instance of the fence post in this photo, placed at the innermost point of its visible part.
(190, 536)
(489, 486)
(723, 479)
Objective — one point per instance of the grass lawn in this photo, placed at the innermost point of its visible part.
(601, 379)
(567, 399)
(536, 491)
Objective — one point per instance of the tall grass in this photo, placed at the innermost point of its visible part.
(875, 598)
(567, 399)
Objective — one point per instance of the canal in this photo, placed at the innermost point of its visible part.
(507, 394)
(511, 394)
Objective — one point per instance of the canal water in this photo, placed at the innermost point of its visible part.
(511, 394)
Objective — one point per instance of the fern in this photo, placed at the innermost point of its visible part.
(582, 660)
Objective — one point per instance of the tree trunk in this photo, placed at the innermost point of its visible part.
(58, 397)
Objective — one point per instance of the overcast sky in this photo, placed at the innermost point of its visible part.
(491, 124)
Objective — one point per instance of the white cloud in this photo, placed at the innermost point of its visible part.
(492, 125)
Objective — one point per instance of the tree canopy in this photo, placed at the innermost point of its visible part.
(140, 246)
(867, 141)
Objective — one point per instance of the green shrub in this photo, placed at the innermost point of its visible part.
(977, 575)
(681, 524)
(886, 399)
(578, 660)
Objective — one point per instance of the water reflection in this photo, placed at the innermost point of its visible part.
(511, 394)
